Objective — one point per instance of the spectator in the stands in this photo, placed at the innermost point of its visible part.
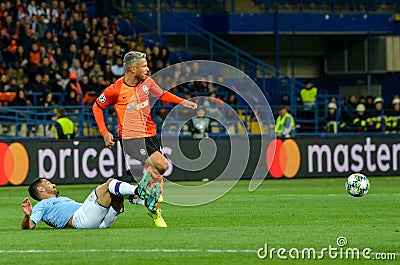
(74, 84)
(213, 105)
(308, 96)
(59, 56)
(76, 68)
(96, 71)
(94, 84)
(54, 9)
(359, 123)
(332, 120)
(21, 56)
(19, 101)
(41, 26)
(75, 39)
(46, 83)
(36, 85)
(110, 56)
(84, 54)
(369, 104)
(44, 10)
(393, 117)
(376, 120)
(4, 79)
(50, 106)
(13, 84)
(47, 40)
(353, 101)
(16, 71)
(211, 85)
(102, 83)
(285, 101)
(86, 85)
(32, 8)
(62, 75)
(34, 58)
(48, 67)
(201, 85)
(118, 68)
(200, 125)
(165, 56)
(108, 75)
(349, 107)
(195, 70)
(71, 54)
(285, 126)
(71, 99)
(54, 26)
(65, 41)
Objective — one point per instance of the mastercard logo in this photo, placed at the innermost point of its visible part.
(283, 158)
(14, 164)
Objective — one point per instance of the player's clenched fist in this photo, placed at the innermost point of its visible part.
(108, 139)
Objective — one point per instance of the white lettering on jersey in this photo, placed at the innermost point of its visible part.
(138, 106)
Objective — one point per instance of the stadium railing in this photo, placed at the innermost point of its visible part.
(37, 122)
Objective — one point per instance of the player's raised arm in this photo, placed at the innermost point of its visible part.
(27, 223)
(171, 98)
(167, 96)
(189, 104)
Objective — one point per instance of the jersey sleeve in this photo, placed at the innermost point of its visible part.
(107, 98)
(157, 92)
(154, 89)
(37, 213)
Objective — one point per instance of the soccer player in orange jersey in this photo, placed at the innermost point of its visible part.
(129, 96)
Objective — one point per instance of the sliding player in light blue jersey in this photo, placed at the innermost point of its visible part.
(99, 210)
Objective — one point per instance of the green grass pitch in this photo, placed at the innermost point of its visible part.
(296, 213)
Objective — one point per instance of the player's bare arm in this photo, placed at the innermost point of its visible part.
(108, 139)
(189, 104)
(27, 209)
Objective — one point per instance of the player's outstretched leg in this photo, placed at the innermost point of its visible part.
(143, 187)
(134, 194)
(152, 200)
(157, 165)
(157, 178)
(121, 188)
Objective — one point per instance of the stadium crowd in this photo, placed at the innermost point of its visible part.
(359, 114)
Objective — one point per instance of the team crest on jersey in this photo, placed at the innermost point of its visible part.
(142, 151)
(145, 89)
(102, 98)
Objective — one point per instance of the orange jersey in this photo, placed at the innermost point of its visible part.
(132, 107)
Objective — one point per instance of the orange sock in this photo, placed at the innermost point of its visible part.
(156, 178)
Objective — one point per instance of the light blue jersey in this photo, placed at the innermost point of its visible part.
(55, 212)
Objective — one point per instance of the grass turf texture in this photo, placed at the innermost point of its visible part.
(297, 213)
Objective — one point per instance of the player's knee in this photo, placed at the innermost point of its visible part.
(162, 166)
(109, 181)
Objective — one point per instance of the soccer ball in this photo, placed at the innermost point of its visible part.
(357, 185)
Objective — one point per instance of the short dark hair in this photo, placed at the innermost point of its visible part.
(32, 189)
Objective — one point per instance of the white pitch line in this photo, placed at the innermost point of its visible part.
(145, 251)
(130, 250)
